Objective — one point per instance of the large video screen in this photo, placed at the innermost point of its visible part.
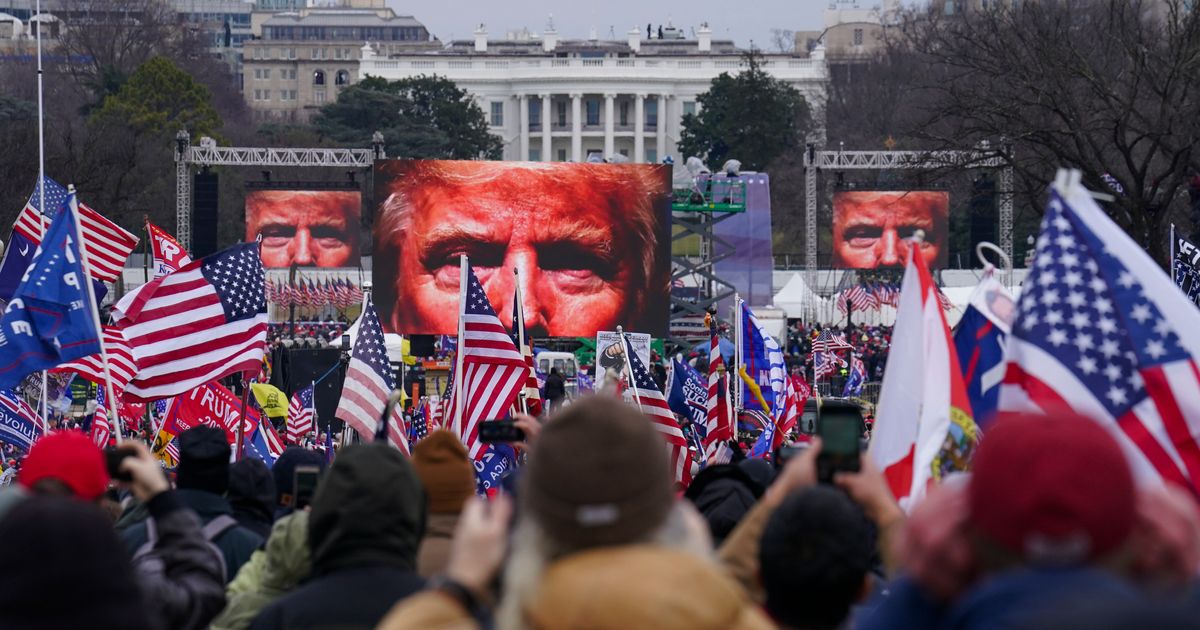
(871, 228)
(591, 243)
(306, 227)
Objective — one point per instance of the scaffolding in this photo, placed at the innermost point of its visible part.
(695, 212)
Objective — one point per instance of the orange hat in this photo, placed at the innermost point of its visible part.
(69, 457)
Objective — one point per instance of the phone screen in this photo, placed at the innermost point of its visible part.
(840, 433)
(306, 485)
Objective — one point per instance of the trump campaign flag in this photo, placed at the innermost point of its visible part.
(856, 378)
(922, 396)
(687, 396)
(762, 360)
(19, 424)
(979, 340)
(1185, 266)
(50, 318)
(1101, 329)
(168, 254)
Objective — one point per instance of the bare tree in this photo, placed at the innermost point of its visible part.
(783, 40)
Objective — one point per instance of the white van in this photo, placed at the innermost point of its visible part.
(566, 364)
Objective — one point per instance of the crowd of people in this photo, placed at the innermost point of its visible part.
(592, 532)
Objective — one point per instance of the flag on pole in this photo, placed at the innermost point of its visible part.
(1100, 329)
(19, 424)
(979, 339)
(718, 421)
(108, 244)
(101, 426)
(494, 371)
(796, 394)
(856, 378)
(206, 321)
(369, 379)
(762, 361)
(168, 254)
(533, 395)
(120, 362)
(922, 399)
(270, 399)
(1185, 269)
(301, 418)
(687, 396)
(49, 319)
(651, 401)
(395, 430)
(826, 341)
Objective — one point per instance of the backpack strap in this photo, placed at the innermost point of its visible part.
(218, 526)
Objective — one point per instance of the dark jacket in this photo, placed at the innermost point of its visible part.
(555, 387)
(367, 520)
(723, 494)
(181, 580)
(252, 495)
(236, 543)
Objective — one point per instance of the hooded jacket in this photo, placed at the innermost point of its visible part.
(251, 494)
(270, 574)
(366, 523)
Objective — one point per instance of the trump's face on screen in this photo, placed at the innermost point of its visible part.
(585, 239)
(871, 228)
(307, 228)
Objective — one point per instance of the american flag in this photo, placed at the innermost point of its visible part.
(369, 379)
(108, 244)
(101, 427)
(1101, 329)
(718, 423)
(493, 370)
(826, 341)
(436, 404)
(823, 363)
(654, 405)
(300, 416)
(396, 430)
(420, 423)
(857, 295)
(841, 301)
(533, 395)
(203, 322)
(120, 362)
(795, 395)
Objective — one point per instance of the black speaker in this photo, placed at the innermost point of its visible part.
(421, 345)
(302, 367)
(204, 213)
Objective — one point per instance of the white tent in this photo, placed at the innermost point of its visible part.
(797, 299)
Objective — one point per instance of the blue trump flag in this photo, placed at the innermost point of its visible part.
(980, 340)
(858, 376)
(497, 460)
(763, 360)
(18, 421)
(687, 395)
(49, 319)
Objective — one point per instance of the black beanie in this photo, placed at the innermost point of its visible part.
(203, 460)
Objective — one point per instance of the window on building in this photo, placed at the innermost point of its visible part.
(535, 114)
(624, 152)
(949, 10)
(623, 119)
(258, 95)
(291, 53)
(318, 96)
(593, 112)
(497, 113)
(535, 154)
(652, 156)
(562, 155)
(266, 73)
(689, 107)
(319, 77)
(652, 114)
(341, 78)
(562, 113)
(858, 37)
(266, 95)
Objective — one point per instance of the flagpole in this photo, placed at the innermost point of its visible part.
(628, 348)
(316, 428)
(42, 186)
(1171, 260)
(519, 313)
(458, 359)
(737, 351)
(93, 308)
(242, 422)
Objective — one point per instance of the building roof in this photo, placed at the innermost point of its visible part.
(649, 47)
(340, 17)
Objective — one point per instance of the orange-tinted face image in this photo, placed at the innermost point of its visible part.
(585, 239)
(872, 229)
(307, 228)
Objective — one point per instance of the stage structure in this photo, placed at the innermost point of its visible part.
(209, 154)
(696, 211)
(981, 157)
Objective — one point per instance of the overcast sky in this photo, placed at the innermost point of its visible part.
(740, 20)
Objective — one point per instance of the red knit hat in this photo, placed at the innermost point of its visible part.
(69, 457)
(1053, 489)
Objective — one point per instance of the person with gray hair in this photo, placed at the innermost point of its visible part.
(591, 243)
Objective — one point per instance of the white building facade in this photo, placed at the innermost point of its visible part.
(553, 100)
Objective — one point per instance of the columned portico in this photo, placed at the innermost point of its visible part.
(639, 128)
(576, 127)
(523, 106)
(547, 144)
(609, 116)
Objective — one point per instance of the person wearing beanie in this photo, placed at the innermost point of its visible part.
(366, 523)
(252, 495)
(1046, 519)
(600, 541)
(201, 481)
(446, 472)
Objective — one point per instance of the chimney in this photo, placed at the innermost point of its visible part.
(549, 39)
(481, 38)
(704, 38)
(635, 39)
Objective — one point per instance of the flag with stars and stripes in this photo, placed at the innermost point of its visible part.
(718, 418)
(827, 341)
(652, 403)
(369, 379)
(1101, 329)
(493, 370)
(300, 416)
(419, 428)
(120, 362)
(201, 323)
(533, 395)
(101, 425)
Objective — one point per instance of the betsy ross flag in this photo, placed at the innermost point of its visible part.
(493, 370)
(369, 379)
(1100, 329)
(651, 401)
(206, 321)
(120, 362)
(168, 254)
(300, 416)
(108, 244)
(922, 401)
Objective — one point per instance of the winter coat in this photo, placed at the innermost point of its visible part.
(435, 546)
(181, 579)
(252, 495)
(270, 574)
(723, 494)
(555, 387)
(366, 523)
(633, 586)
(237, 543)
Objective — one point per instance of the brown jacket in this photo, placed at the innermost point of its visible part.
(634, 586)
(434, 553)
